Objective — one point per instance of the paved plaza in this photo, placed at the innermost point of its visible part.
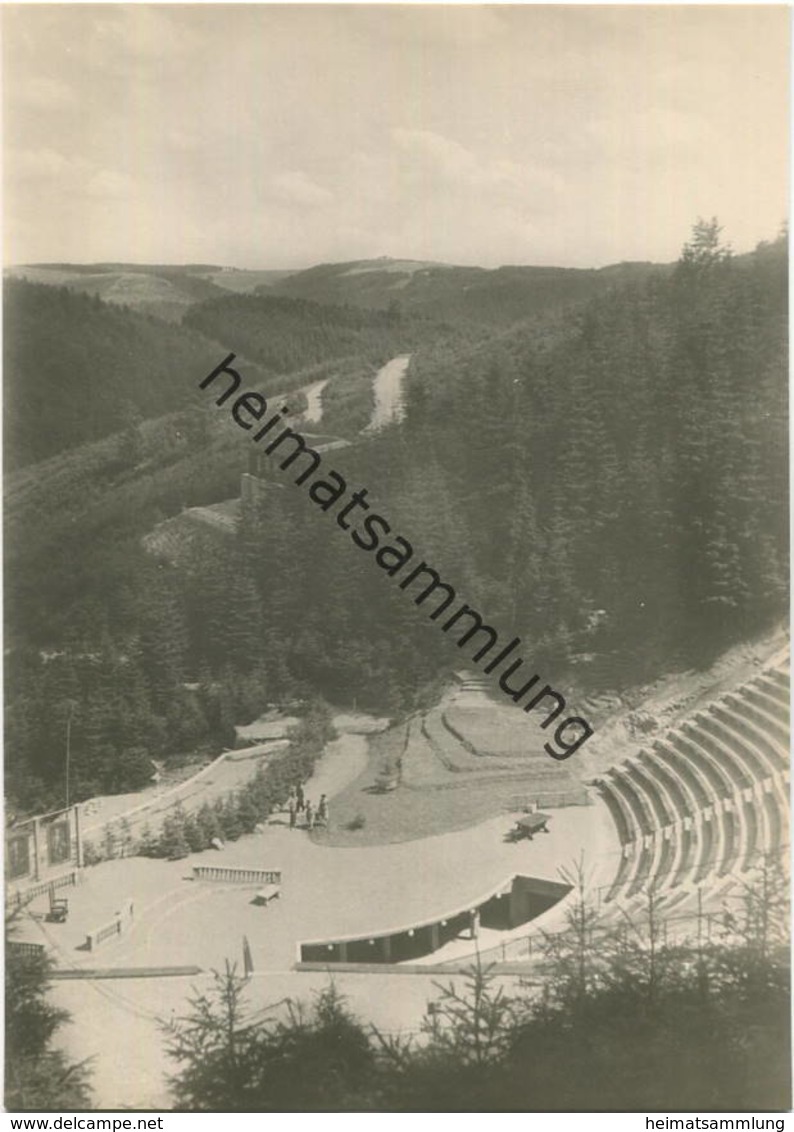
(326, 891)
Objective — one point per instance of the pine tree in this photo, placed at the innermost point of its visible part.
(37, 1078)
(172, 843)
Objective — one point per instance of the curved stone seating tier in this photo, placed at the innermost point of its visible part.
(686, 800)
(776, 697)
(674, 900)
(776, 684)
(757, 764)
(723, 831)
(767, 712)
(660, 873)
(688, 773)
(768, 703)
(780, 671)
(732, 844)
(710, 847)
(687, 858)
(702, 761)
(755, 732)
(625, 869)
(752, 732)
(632, 799)
(643, 871)
(752, 826)
(656, 847)
(764, 833)
(768, 722)
(644, 782)
(703, 802)
(774, 809)
(623, 822)
(725, 776)
(668, 904)
(772, 824)
(633, 875)
(678, 862)
(774, 821)
(727, 761)
(778, 785)
(683, 804)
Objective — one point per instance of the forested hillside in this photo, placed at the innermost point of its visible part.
(284, 334)
(611, 485)
(624, 489)
(498, 296)
(162, 290)
(96, 629)
(76, 369)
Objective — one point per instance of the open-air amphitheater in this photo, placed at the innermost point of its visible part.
(707, 802)
(686, 821)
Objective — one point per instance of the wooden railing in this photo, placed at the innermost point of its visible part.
(231, 874)
(116, 926)
(17, 947)
(20, 896)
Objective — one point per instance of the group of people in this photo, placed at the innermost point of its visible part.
(298, 803)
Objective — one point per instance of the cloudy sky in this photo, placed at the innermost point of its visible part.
(281, 136)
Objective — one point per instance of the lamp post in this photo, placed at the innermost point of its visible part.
(69, 746)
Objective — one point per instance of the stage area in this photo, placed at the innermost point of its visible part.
(325, 891)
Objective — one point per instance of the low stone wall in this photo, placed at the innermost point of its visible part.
(20, 894)
(516, 901)
(17, 947)
(231, 874)
(112, 928)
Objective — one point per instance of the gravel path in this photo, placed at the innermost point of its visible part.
(387, 387)
(314, 401)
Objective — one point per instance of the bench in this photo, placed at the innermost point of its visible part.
(268, 893)
(531, 824)
(59, 908)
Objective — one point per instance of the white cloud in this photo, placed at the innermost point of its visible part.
(41, 170)
(294, 187)
(108, 183)
(449, 158)
(44, 93)
(504, 179)
(287, 134)
(37, 164)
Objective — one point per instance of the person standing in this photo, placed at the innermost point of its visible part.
(292, 813)
(308, 814)
(300, 797)
(322, 811)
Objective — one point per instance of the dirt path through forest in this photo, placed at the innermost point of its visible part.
(388, 389)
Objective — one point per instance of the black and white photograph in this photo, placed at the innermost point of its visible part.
(396, 560)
